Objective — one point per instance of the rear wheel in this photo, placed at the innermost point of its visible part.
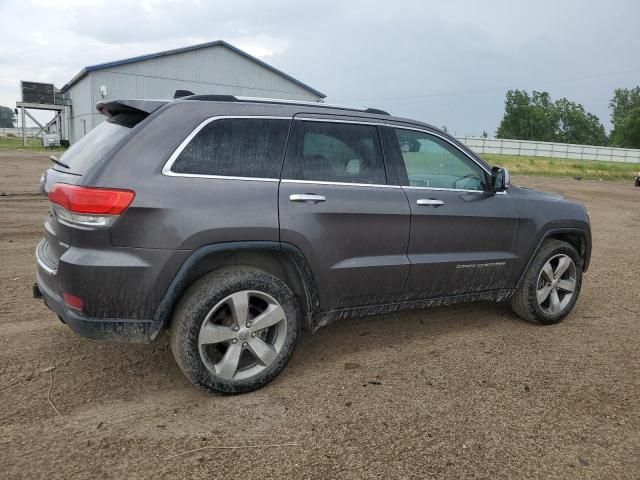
(235, 330)
(551, 285)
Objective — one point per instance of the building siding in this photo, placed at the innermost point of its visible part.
(211, 70)
(82, 112)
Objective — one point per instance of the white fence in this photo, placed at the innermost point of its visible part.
(17, 132)
(548, 149)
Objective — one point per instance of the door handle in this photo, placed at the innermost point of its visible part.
(430, 202)
(307, 198)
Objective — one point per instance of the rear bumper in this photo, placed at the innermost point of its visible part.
(123, 330)
(121, 288)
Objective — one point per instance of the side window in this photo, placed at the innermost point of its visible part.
(433, 162)
(335, 152)
(237, 147)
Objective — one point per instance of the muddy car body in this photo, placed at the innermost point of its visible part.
(237, 223)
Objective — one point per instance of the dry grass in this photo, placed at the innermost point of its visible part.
(33, 144)
(558, 167)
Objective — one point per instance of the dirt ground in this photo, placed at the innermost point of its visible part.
(467, 391)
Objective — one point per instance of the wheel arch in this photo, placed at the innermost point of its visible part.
(577, 237)
(282, 260)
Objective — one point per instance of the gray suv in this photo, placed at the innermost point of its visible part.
(236, 223)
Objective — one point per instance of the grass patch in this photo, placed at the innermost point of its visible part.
(560, 167)
(33, 145)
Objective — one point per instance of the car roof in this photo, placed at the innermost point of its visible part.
(294, 107)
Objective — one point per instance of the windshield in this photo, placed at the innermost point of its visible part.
(94, 146)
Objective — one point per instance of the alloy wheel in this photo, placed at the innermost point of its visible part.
(556, 284)
(242, 335)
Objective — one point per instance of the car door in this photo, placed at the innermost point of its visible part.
(462, 234)
(337, 207)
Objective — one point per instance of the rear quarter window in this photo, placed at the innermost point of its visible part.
(236, 147)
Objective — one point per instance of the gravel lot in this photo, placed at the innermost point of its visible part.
(467, 391)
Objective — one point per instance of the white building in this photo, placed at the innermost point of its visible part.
(208, 68)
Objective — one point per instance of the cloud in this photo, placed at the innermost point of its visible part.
(445, 63)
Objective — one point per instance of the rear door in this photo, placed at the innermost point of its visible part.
(462, 235)
(338, 208)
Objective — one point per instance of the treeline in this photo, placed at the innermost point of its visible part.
(537, 117)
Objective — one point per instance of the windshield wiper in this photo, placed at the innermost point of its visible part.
(55, 160)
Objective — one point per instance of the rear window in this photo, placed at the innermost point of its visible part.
(236, 147)
(96, 144)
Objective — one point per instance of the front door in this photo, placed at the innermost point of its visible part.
(462, 234)
(338, 209)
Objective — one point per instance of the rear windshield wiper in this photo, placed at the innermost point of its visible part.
(55, 160)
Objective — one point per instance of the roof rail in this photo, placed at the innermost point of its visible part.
(281, 101)
(377, 110)
(211, 98)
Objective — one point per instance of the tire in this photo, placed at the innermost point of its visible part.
(212, 330)
(536, 283)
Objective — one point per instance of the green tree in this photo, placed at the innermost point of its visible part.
(575, 125)
(528, 117)
(537, 117)
(7, 117)
(625, 101)
(627, 132)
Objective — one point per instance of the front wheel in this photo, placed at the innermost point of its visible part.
(551, 285)
(235, 330)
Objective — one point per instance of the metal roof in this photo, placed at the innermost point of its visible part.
(85, 71)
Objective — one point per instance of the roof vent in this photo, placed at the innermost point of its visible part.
(182, 93)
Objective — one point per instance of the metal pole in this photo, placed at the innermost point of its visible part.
(66, 125)
(24, 132)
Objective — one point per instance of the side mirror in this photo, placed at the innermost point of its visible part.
(500, 179)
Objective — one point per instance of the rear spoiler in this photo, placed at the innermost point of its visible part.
(115, 107)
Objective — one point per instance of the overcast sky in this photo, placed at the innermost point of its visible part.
(446, 63)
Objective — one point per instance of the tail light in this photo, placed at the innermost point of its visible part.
(88, 206)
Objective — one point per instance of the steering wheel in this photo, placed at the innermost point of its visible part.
(467, 176)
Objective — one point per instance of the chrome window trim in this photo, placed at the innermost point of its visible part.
(422, 130)
(446, 189)
(219, 177)
(166, 169)
(321, 182)
(504, 192)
